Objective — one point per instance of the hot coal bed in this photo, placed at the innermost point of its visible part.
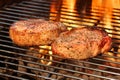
(28, 63)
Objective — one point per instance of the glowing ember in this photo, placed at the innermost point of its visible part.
(50, 59)
(46, 50)
(45, 47)
(42, 52)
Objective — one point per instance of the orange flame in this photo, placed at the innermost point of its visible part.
(69, 16)
(70, 4)
(64, 11)
(53, 10)
(106, 8)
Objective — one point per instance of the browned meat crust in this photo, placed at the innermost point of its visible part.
(34, 32)
(81, 43)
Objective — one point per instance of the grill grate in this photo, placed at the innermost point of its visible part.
(22, 63)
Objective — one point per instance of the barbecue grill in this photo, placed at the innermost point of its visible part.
(18, 63)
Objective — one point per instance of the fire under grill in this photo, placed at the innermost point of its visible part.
(29, 63)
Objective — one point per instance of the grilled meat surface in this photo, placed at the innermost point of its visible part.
(81, 43)
(34, 32)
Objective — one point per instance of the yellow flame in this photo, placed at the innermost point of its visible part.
(53, 11)
(70, 4)
(50, 59)
(45, 49)
(65, 13)
(106, 8)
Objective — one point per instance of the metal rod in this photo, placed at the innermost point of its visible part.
(64, 64)
(10, 76)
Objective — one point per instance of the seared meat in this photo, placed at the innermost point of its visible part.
(81, 43)
(34, 32)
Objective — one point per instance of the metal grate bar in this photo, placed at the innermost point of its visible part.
(40, 70)
(26, 50)
(37, 4)
(66, 69)
(6, 19)
(93, 58)
(21, 72)
(10, 16)
(15, 8)
(78, 24)
(58, 67)
(41, 9)
(28, 8)
(54, 67)
(106, 60)
(12, 58)
(34, 7)
(19, 14)
(45, 1)
(25, 55)
(10, 76)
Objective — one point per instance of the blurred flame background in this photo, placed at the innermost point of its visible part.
(80, 13)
